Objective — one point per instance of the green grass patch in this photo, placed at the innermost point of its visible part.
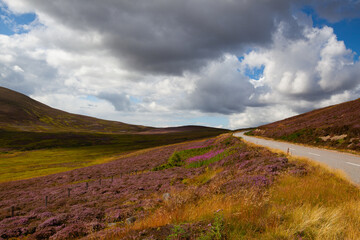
(178, 159)
(208, 161)
(174, 161)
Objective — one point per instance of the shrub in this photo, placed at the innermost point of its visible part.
(176, 233)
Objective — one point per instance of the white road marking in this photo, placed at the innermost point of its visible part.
(314, 154)
(292, 149)
(353, 164)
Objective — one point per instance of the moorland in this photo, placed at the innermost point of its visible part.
(96, 179)
(218, 188)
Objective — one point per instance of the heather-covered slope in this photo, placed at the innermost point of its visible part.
(220, 188)
(336, 126)
(21, 113)
(90, 199)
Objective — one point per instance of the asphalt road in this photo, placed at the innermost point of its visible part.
(348, 163)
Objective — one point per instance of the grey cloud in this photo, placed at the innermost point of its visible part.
(119, 101)
(170, 36)
(336, 10)
(36, 76)
(221, 89)
(215, 97)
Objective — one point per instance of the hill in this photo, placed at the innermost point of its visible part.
(21, 113)
(336, 126)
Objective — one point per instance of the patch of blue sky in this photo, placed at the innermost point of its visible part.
(91, 98)
(135, 100)
(11, 23)
(346, 30)
(255, 73)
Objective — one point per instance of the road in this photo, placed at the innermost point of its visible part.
(348, 163)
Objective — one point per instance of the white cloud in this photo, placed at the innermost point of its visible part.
(311, 68)
(254, 116)
(16, 68)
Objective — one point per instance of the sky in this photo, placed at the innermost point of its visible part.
(230, 63)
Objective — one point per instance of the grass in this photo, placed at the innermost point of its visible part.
(207, 161)
(24, 165)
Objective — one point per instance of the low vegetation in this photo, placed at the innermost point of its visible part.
(240, 191)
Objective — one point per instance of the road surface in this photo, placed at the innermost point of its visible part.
(348, 163)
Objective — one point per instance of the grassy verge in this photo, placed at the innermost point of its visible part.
(313, 138)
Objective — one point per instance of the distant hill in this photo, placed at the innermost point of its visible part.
(336, 126)
(19, 112)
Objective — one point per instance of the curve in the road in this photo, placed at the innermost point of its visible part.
(346, 162)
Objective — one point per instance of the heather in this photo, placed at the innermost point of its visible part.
(334, 127)
(244, 192)
(88, 199)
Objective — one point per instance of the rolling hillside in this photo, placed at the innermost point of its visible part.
(336, 126)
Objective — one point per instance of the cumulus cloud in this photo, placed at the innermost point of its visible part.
(314, 71)
(311, 68)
